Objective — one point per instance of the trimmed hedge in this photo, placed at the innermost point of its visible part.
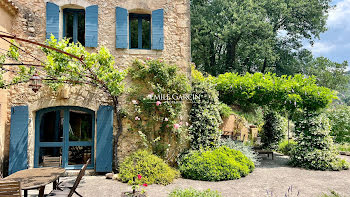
(152, 169)
(218, 164)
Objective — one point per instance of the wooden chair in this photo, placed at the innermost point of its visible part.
(10, 188)
(70, 190)
(52, 161)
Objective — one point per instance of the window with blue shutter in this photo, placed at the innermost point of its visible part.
(158, 29)
(52, 20)
(104, 141)
(121, 28)
(74, 25)
(18, 159)
(91, 26)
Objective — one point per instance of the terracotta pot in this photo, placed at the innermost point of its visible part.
(136, 194)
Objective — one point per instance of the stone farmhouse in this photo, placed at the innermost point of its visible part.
(76, 123)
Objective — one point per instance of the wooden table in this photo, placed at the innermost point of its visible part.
(36, 178)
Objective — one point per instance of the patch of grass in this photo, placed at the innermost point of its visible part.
(190, 192)
(332, 194)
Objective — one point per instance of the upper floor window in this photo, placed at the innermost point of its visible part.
(74, 25)
(81, 25)
(140, 31)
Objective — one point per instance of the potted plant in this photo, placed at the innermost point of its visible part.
(135, 189)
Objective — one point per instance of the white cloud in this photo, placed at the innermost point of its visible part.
(340, 15)
(321, 48)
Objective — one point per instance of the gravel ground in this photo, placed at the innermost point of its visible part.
(272, 175)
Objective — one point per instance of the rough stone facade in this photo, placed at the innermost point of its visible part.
(30, 23)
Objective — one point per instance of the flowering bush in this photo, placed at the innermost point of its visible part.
(147, 168)
(153, 112)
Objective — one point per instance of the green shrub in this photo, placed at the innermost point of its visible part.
(204, 116)
(315, 149)
(150, 167)
(244, 148)
(343, 147)
(194, 193)
(225, 110)
(218, 164)
(274, 130)
(339, 117)
(286, 147)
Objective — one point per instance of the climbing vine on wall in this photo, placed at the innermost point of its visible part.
(157, 104)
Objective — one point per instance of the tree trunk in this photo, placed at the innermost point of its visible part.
(119, 131)
(231, 54)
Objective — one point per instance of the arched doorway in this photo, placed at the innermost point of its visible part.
(66, 132)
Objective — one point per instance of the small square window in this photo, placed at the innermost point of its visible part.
(140, 31)
(74, 25)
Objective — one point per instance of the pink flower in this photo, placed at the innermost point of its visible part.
(139, 176)
(148, 58)
(167, 126)
(180, 123)
(135, 102)
(137, 118)
(158, 103)
(166, 119)
(176, 126)
(145, 184)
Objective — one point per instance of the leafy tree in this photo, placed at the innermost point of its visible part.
(69, 63)
(274, 130)
(329, 74)
(254, 36)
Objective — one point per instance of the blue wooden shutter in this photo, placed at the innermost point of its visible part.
(121, 28)
(18, 139)
(158, 29)
(91, 26)
(52, 20)
(104, 142)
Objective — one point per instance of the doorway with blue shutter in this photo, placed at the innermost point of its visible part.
(66, 132)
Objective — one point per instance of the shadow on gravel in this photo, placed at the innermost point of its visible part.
(279, 160)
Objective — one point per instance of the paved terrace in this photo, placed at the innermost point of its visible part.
(271, 175)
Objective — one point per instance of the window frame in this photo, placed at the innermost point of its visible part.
(139, 29)
(75, 23)
(66, 143)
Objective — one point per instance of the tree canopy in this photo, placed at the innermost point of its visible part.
(254, 36)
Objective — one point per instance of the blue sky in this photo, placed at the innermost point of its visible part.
(335, 43)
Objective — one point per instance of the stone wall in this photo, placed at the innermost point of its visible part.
(7, 11)
(30, 23)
